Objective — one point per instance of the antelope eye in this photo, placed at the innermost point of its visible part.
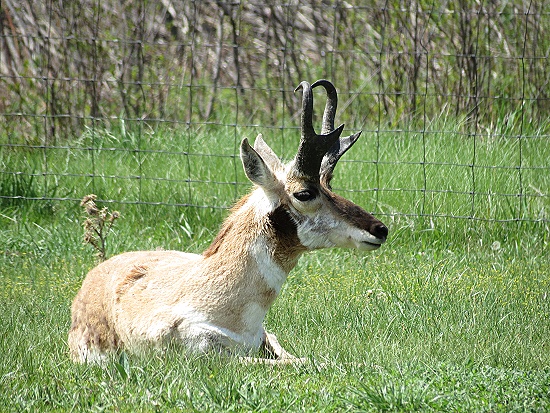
(305, 195)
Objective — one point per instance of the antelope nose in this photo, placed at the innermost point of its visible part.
(380, 231)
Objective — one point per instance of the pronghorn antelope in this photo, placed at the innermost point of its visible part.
(217, 301)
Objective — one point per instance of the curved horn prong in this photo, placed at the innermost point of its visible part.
(334, 154)
(330, 107)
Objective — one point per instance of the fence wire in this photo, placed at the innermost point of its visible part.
(154, 97)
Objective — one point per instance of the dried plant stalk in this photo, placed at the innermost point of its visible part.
(97, 225)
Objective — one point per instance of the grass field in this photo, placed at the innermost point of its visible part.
(452, 314)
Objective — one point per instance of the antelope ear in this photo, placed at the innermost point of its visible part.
(267, 154)
(255, 167)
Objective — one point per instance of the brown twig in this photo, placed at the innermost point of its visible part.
(97, 225)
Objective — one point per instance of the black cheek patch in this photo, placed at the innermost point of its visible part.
(285, 235)
(282, 224)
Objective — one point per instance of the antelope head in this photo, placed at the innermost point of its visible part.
(302, 188)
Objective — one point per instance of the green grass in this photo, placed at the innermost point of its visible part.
(450, 315)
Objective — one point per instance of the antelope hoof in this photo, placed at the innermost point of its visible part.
(273, 350)
(273, 354)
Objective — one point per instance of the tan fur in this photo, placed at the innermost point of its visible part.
(127, 301)
(121, 298)
(218, 300)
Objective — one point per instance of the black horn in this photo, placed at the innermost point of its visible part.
(334, 154)
(313, 147)
(344, 143)
(330, 107)
(306, 120)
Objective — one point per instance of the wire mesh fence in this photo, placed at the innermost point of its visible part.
(152, 98)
